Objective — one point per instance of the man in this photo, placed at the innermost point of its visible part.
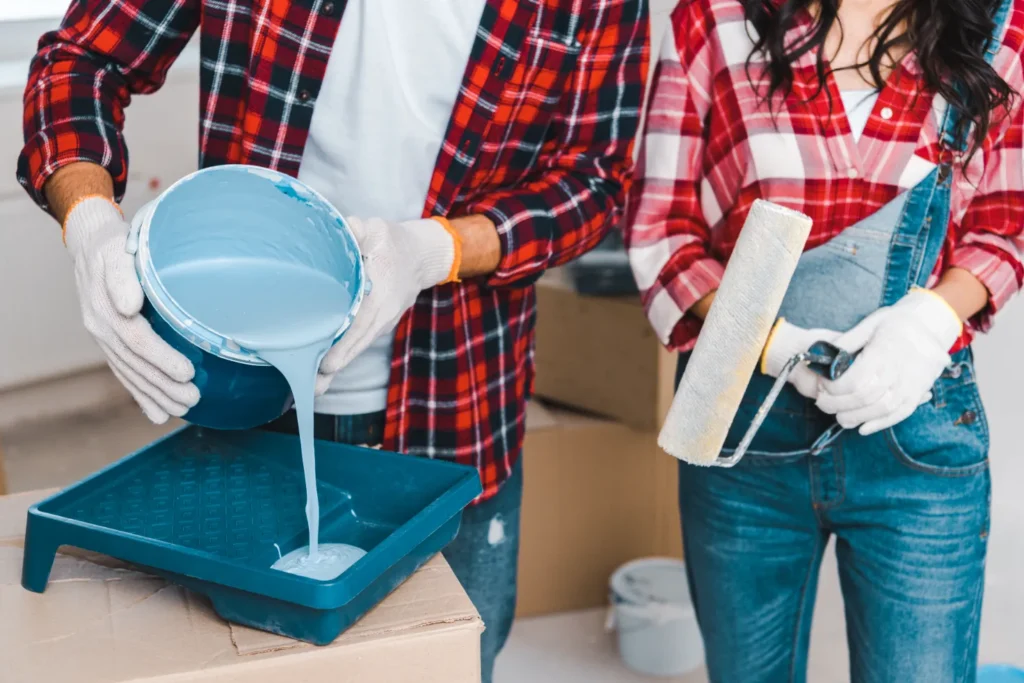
(511, 121)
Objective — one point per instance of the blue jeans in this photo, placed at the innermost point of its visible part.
(909, 508)
(483, 556)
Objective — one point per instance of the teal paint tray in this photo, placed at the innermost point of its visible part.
(204, 508)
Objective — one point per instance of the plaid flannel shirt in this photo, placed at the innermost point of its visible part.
(540, 140)
(711, 148)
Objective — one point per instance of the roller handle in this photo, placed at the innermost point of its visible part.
(823, 358)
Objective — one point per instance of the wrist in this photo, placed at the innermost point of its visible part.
(935, 314)
(456, 265)
(785, 341)
(85, 217)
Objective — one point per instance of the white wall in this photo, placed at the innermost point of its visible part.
(41, 334)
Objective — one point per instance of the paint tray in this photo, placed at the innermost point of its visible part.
(204, 508)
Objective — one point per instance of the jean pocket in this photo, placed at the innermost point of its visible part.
(948, 436)
(787, 433)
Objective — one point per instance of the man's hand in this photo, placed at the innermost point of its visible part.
(158, 377)
(401, 260)
(905, 348)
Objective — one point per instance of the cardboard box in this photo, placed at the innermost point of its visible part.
(600, 354)
(100, 621)
(596, 494)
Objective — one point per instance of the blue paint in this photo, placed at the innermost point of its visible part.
(253, 267)
(260, 304)
(1000, 673)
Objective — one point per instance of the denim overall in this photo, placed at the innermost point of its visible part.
(909, 506)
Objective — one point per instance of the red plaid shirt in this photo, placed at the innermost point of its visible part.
(712, 148)
(540, 140)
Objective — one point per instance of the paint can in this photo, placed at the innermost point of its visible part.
(1000, 673)
(237, 211)
(653, 616)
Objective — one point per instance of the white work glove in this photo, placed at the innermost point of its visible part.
(158, 377)
(786, 341)
(905, 349)
(401, 260)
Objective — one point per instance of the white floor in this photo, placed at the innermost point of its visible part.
(574, 648)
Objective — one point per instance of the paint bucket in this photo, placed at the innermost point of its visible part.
(653, 615)
(237, 211)
(1000, 673)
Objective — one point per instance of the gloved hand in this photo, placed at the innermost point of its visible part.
(401, 260)
(158, 377)
(905, 349)
(787, 340)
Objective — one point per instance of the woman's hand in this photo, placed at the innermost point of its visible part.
(788, 340)
(904, 349)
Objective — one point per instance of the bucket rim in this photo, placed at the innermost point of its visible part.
(622, 591)
(192, 330)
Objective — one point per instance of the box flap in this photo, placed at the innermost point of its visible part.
(538, 416)
(431, 596)
(100, 621)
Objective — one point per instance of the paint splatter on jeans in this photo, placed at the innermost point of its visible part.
(484, 557)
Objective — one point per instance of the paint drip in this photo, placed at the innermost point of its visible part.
(275, 309)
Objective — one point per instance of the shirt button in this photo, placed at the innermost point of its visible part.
(851, 173)
(328, 9)
(304, 96)
(886, 113)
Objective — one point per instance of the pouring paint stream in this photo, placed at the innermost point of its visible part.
(276, 309)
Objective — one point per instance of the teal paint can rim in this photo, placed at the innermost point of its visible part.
(194, 331)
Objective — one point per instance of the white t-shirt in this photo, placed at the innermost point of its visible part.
(378, 124)
(858, 105)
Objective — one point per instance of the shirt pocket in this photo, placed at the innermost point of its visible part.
(544, 71)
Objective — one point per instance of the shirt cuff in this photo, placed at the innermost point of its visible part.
(669, 308)
(46, 152)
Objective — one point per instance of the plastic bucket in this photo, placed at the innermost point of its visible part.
(225, 211)
(654, 618)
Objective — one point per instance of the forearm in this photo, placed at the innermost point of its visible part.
(481, 246)
(701, 308)
(964, 292)
(73, 182)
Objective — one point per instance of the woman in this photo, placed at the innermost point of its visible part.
(897, 128)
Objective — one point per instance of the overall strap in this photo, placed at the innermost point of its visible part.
(918, 240)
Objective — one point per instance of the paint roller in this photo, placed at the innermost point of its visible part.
(734, 333)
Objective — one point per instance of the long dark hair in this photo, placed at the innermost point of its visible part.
(949, 38)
